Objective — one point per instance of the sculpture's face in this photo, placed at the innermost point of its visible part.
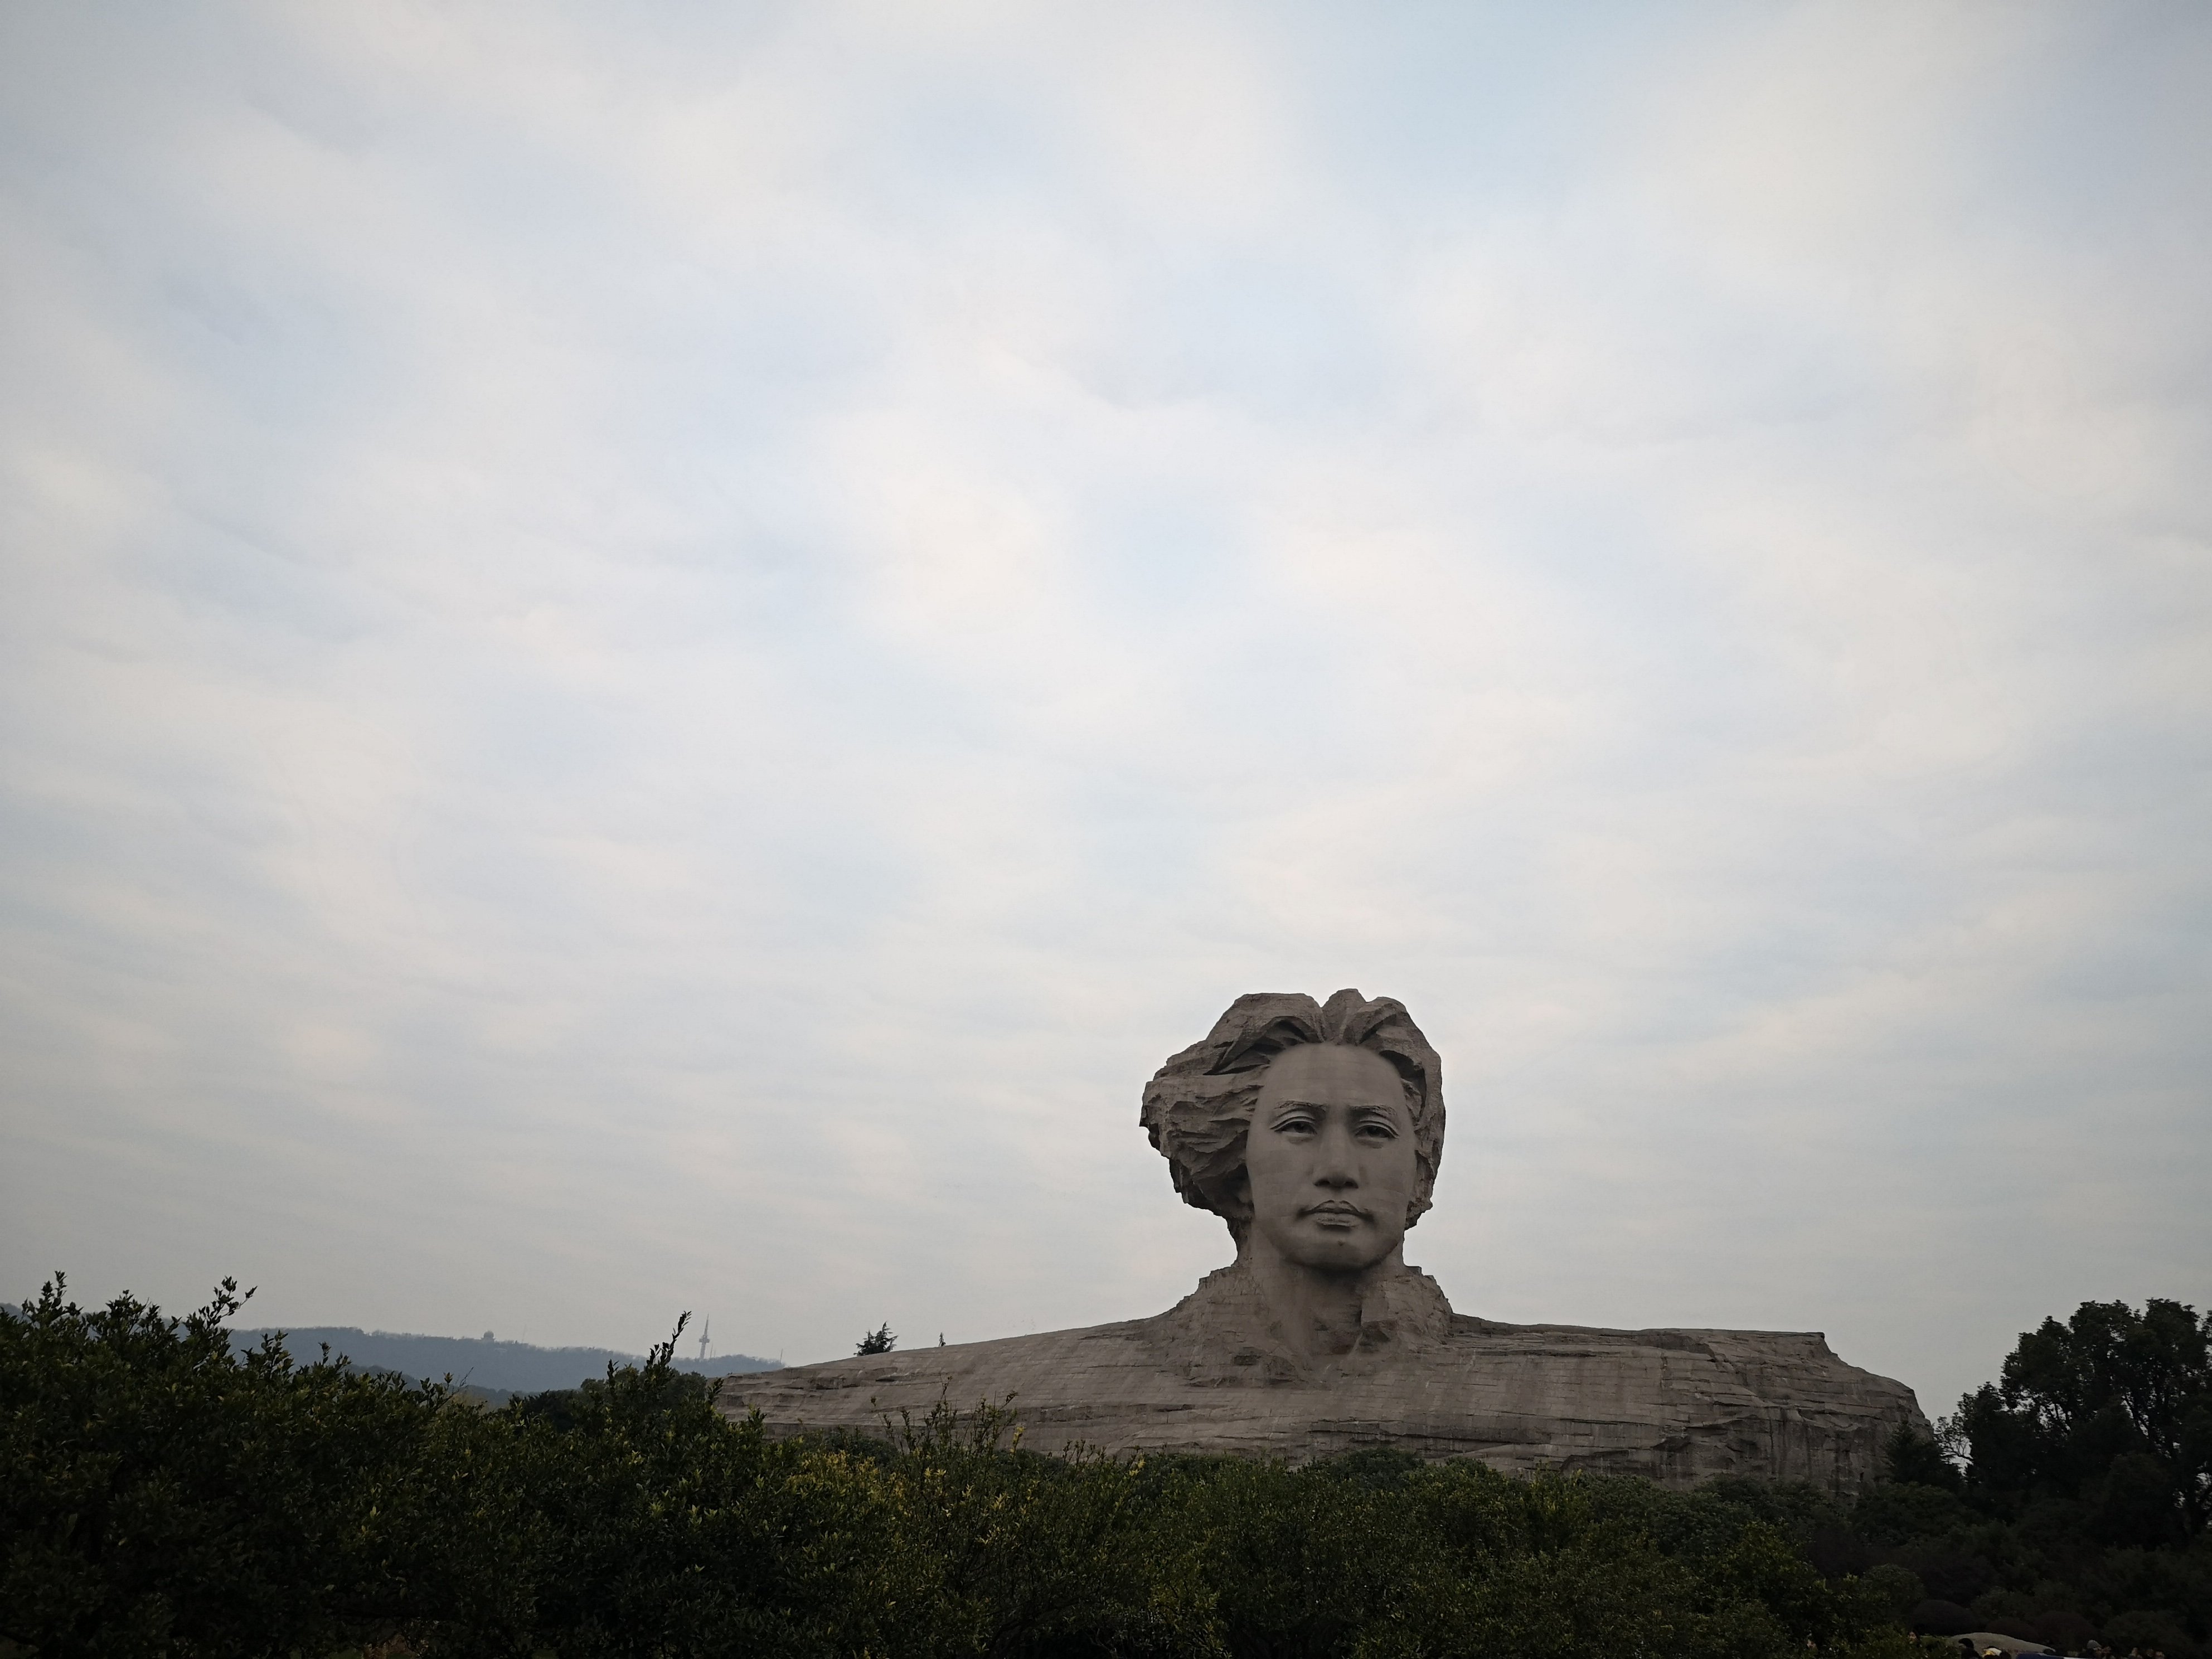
(1328, 1161)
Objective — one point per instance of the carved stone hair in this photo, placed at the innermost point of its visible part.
(1198, 1108)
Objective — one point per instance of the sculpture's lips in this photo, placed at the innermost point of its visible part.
(1336, 1206)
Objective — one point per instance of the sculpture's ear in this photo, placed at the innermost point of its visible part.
(1235, 1198)
(1230, 1198)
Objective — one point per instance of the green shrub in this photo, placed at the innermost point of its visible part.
(161, 1494)
(164, 1495)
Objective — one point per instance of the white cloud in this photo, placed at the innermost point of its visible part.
(653, 665)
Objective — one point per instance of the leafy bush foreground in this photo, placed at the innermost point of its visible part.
(163, 1495)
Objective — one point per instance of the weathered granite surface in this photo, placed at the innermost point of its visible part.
(1316, 1132)
(1678, 1406)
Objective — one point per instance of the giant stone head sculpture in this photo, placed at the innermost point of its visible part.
(1198, 1108)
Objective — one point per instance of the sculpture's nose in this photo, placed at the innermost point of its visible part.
(1336, 1169)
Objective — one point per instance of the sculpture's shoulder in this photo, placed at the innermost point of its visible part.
(867, 1390)
(1213, 1373)
(1778, 1370)
(1682, 1340)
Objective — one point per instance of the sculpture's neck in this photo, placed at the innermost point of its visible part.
(1318, 1314)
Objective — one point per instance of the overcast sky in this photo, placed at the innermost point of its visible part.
(651, 657)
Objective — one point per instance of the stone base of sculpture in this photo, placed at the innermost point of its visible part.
(1215, 1374)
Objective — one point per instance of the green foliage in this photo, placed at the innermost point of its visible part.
(1893, 1592)
(2110, 1412)
(2087, 1489)
(1911, 1458)
(165, 1496)
(2079, 1513)
(879, 1340)
(161, 1494)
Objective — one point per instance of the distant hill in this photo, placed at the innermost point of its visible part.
(492, 1366)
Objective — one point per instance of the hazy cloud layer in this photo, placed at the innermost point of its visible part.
(650, 661)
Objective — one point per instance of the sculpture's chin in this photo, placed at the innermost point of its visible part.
(1331, 1251)
(1344, 1261)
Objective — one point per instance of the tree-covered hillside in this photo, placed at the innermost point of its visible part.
(165, 1493)
(501, 1367)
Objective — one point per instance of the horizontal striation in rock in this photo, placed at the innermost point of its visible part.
(1677, 1406)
